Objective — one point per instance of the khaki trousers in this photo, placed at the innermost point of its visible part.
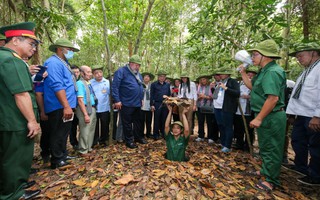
(87, 131)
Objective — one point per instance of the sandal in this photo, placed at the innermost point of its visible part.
(262, 186)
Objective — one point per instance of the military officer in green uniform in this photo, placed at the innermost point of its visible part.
(18, 124)
(267, 102)
(2, 40)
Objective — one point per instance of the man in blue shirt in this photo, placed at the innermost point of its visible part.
(127, 92)
(86, 111)
(59, 99)
(158, 89)
(101, 88)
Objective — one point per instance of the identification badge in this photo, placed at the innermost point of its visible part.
(104, 91)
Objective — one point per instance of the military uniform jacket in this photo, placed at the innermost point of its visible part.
(14, 79)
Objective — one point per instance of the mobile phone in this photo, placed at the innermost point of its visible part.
(68, 120)
(39, 75)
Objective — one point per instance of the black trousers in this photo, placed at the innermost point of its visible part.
(58, 135)
(115, 120)
(74, 130)
(202, 118)
(45, 139)
(146, 119)
(131, 123)
(215, 129)
(160, 116)
(239, 131)
(102, 137)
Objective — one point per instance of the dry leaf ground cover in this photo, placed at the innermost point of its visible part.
(116, 172)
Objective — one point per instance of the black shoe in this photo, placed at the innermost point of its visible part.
(29, 194)
(157, 137)
(33, 170)
(75, 147)
(70, 157)
(149, 136)
(131, 145)
(142, 141)
(308, 180)
(59, 164)
(29, 184)
(293, 169)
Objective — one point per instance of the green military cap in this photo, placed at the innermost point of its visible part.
(176, 78)
(96, 67)
(203, 76)
(161, 72)
(178, 123)
(252, 69)
(149, 74)
(2, 37)
(268, 48)
(184, 74)
(169, 78)
(225, 70)
(25, 29)
(135, 59)
(305, 46)
(62, 42)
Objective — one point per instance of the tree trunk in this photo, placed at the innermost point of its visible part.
(136, 48)
(108, 57)
(305, 19)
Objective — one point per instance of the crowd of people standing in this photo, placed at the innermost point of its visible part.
(70, 98)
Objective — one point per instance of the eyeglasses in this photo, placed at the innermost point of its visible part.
(33, 45)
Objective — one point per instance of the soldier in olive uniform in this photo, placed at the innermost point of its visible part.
(267, 102)
(18, 125)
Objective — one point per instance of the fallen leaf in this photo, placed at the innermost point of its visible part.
(94, 183)
(205, 171)
(92, 192)
(124, 180)
(79, 182)
(208, 192)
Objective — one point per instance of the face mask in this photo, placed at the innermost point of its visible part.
(69, 55)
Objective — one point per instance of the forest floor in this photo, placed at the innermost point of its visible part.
(117, 172)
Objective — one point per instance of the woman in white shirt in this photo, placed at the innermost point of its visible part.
(188, 90)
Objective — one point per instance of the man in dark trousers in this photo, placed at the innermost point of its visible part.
(18, 124)
(60, 99)
(158, 89)
(127, 92)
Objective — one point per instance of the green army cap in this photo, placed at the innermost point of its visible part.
(225, 70)
(24, 29)
(268, 48)
(178, 123)
(306, 46)
(149, 74)
(96, 67)
(203, 76)
(252, 69)
(135, 59)
(2, 37)
(62, 42)
(184, 74)
(161, 72)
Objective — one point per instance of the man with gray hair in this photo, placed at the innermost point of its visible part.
(86, 111)
(304, 112)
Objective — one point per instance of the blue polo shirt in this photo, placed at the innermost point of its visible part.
(82, 92)
(126, 89)
(102, 91)
(59, 78)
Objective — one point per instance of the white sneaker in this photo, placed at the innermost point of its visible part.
(199, 139)
(210, 141)
(226, 150)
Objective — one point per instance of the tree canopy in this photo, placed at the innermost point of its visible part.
(173, 35)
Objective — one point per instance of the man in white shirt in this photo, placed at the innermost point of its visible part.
(304, 107)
